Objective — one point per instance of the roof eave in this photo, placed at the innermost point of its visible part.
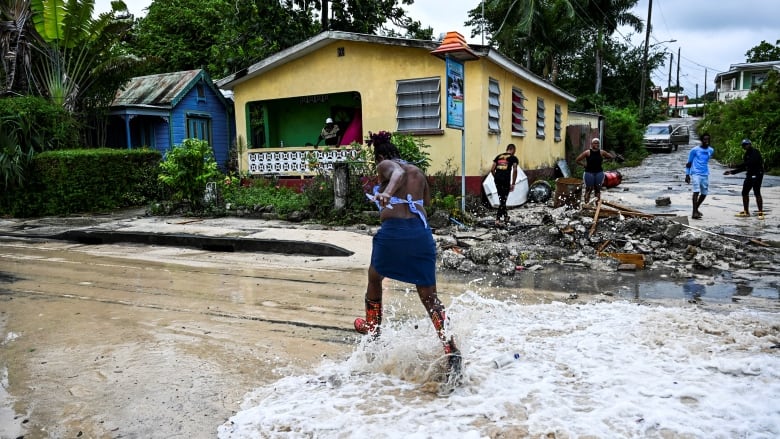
(522, 72)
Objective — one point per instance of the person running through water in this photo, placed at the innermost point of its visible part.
(697, 173)
(403, 249)
(753, 165)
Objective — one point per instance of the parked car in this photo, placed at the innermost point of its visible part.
(666, 136)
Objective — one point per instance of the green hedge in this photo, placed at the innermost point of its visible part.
(43, 124)
(85, 180)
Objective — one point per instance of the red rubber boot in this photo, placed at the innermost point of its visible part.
(454, 358)
(370, 325)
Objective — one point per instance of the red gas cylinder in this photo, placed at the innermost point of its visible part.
(612, 178)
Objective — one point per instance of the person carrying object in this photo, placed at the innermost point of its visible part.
(504, 173)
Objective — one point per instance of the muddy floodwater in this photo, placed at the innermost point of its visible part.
(144, 341)
(132, 341)
(137, 341)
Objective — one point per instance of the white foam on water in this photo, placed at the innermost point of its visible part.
(604, 370)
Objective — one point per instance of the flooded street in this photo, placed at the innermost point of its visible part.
(143, 341)
(663, 175)
(131, 346)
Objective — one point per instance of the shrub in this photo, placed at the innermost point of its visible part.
(84, 180)
(261, 193)
(186, 170)
(756, 116)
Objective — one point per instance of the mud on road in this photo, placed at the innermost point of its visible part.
(135, 341)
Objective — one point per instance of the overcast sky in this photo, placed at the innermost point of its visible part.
(710, 35)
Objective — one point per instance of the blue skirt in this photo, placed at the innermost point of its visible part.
(403, 249)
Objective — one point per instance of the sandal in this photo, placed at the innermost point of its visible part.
(760, 214)
(696, 216)
(743, 214)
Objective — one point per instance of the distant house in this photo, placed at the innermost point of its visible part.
(160, 111)
(372, 83)
(741, 78)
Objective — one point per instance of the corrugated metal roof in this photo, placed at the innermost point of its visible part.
(328, 37)
(160, 90)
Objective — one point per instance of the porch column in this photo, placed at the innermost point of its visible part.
(127, 130)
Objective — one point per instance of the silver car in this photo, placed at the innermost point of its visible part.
(666, 136)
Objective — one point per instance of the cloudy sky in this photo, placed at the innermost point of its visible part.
(710, 35)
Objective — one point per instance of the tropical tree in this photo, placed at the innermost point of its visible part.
(181, 33)
(526, 30)
(605, 16)
(764, 52)
(367, 17)
(15, 44)
(76, 50)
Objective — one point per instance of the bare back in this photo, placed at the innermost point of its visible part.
(399, 179)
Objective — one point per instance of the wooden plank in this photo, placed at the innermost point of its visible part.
(595, 219)
(619, 207)
(637, 214)
(637, 259)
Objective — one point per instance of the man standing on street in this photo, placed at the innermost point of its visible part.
(504, 168)
(753, 165)
(697, 173)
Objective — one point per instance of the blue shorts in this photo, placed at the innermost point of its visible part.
(403, 249)
(593, 179)
(700, 183)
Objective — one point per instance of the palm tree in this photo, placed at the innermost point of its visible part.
(605, 16)
(76, 49)
(15, 44)
(527, 29)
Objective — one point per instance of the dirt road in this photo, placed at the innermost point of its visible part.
(153, 342)
(137, 341)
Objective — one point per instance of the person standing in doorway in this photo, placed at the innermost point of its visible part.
(697, 173)
(504, 173)
(753, 165)
(594, 171)
(403, 248)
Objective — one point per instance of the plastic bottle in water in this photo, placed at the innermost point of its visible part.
(505, 360)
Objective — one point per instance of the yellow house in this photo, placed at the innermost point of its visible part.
(372, 83)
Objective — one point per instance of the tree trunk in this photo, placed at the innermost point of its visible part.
(324, 17)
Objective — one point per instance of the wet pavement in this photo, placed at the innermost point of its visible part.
(106, 335)
(663, 175)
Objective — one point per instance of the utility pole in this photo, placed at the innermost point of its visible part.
(669, 81)
(677, 90)
(644, 61)
(704, 111)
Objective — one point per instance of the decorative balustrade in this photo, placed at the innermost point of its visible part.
(295, 161)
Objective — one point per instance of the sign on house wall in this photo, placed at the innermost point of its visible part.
(455, 94)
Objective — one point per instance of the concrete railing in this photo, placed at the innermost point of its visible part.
(296, 161)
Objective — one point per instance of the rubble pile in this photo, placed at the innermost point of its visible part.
(539, 235)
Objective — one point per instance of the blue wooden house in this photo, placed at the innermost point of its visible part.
(160, 111)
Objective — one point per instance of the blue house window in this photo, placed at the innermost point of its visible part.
(201, 89)
(199, 127)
